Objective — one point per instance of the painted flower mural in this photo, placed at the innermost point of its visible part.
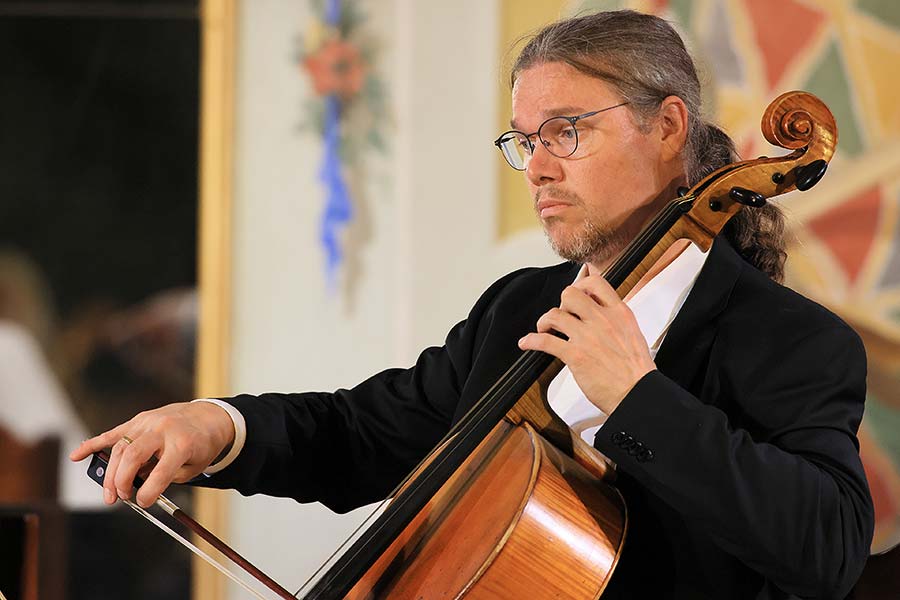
(347, 110)
(336, 68)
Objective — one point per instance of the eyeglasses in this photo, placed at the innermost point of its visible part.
(557, 134)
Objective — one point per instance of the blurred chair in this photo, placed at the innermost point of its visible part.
(32, 525)
(29, 471)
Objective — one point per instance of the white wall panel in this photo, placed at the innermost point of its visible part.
(429, 246)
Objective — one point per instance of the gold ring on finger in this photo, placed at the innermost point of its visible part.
(127, 439)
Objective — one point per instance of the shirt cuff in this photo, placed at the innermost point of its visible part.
(240, 436)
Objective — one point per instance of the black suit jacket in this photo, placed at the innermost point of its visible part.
(738, 457)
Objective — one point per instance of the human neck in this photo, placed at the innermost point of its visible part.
(669, 256)
(598, 267)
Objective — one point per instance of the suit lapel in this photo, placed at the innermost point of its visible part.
(682, 353)
(686, 346)
(514, 317)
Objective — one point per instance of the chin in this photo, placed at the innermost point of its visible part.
(557, 230)
(583, 243)
(566, 247)
(561, 233)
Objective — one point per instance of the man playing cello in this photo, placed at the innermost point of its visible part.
(728, 403)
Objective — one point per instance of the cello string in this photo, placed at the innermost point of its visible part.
(477, 413)
(443, 456)
(187, 544)
(376, 512)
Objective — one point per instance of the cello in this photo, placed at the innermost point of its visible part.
(555, 525)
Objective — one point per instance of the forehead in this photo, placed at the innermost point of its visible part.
(552, 89)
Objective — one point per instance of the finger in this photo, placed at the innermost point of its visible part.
(133, 457)
(560, 321)
(599, 289)
(545, 342)
(579, 302)
(115, 455)
(97, 443)
(612, 309)
(160, 477)
(186, 472)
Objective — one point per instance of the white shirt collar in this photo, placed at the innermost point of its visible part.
(656, 304)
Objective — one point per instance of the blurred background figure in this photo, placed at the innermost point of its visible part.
(156, 340)
(36, 414)
(98, 201)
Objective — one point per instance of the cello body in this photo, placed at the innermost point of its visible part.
(519, 519)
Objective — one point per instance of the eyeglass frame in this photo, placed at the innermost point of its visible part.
(532, 145)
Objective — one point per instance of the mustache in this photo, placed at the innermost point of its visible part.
(557, 193)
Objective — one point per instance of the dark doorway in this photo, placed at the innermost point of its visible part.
(98, 207)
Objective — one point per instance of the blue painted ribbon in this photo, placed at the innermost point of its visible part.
(333, 12)
(338, 208)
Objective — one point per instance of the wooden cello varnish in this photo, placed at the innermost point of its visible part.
(496, 528)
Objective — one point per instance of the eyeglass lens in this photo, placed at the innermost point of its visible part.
(558, 136)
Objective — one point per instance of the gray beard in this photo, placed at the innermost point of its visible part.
(590, 245)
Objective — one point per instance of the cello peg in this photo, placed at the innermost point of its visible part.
(809, 175)
(747, 197)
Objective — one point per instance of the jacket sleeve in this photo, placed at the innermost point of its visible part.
(792, 502)
(351, 447)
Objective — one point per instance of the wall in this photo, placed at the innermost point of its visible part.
(421, 250)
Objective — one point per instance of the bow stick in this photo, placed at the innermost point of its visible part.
(97, 472)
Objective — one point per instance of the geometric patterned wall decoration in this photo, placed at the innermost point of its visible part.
(845, 252)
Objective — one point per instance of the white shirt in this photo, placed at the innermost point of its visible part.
(655, 306)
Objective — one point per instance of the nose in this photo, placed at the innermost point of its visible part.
(543, 167)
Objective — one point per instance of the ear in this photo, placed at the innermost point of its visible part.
(673, 123)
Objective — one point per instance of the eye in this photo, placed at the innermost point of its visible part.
(558, 131)
(567, 133)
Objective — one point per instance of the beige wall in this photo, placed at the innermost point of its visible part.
(426, 232)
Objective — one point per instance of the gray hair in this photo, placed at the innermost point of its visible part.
(644, 59)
